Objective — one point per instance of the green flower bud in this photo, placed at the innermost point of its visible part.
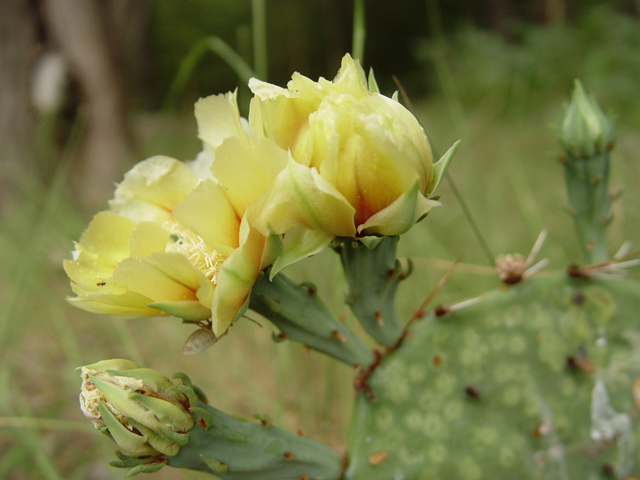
(144, 412)
(584, 129)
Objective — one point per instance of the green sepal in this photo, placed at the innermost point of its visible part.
(299, 243)
(127, 461)
(154, 439)
(151, 378)
(112, 364)
(183, 377)
(371, 80)
(126, 439)
(440, 168)
(200, 394)
(120, 400)
(409, 270)
(213, 464)
(165, 411)
(190, 310)
(152, 468)
(186, 391)
(174, 437)
(371, 241)
(204, 415)
(398, 217)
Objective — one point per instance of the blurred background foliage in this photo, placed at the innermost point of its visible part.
(493, 73)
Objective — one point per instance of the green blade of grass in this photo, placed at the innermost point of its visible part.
(31, 439)
(359, 31)
(259, 27)
(190, 62)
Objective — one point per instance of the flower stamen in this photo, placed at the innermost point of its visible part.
(196, 250)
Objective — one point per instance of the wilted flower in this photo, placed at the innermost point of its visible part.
(175, 244)
(141, 409)
(360, 163)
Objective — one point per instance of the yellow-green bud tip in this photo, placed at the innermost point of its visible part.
(584, 129)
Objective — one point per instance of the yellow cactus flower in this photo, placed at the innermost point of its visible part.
(174, 244)
(360, 163)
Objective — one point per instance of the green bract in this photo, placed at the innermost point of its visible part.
(140, 408)
(584, 128)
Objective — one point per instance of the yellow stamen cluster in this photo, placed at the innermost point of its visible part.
(196, 250)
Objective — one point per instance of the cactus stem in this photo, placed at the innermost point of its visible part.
(360, 382)
(305, 318)
(373, 277)
(420, 312)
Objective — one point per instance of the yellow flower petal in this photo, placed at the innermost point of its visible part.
(165, 277)
(208, 213)
(190, 310)
(127, 304)
(350, 79)
(102, 245)
(300, 196)
(147, 238)
(152, 188)
(281, 114)
(218, 118)
(236, 277)
(246, 170)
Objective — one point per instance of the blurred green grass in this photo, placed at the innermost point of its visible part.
(506, 168)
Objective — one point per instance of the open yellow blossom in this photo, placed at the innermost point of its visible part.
(175, 244)
(360, 163)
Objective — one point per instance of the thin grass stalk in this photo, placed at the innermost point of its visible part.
(447, 83)
(127, 341)
(46, 424)
(359, 31)
(193, 57)
(259, 35)
(31, 439)
(15, 455)
(50, 205)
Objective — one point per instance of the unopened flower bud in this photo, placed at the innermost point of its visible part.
(140, 408)
(584, 129)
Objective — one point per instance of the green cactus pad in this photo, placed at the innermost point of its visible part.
(534, 381)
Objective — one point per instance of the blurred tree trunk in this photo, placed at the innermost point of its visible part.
(18, 46)
(92, 34)
(500, 14)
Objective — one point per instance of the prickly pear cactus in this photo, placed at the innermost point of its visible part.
(538, 380)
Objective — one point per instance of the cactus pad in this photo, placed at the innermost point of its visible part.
(534, 381)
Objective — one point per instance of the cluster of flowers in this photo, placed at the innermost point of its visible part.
(314, 161)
